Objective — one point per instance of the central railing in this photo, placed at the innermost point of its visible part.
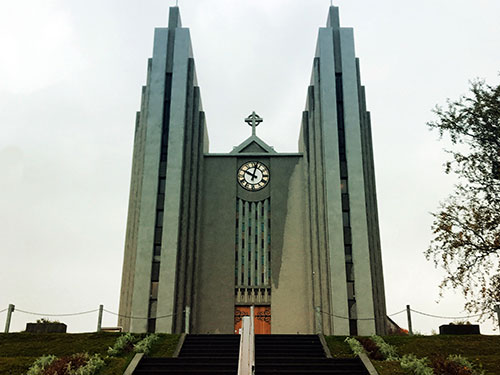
(246, 363)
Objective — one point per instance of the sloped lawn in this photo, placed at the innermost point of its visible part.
(19, 350)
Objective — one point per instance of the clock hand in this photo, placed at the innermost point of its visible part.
(254, 171)
(252, 175)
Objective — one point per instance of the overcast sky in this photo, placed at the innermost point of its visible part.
(70, 81)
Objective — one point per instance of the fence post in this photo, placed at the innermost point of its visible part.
(99, 318)
(497, 309)
(319, 320)
(408, 314)
(10, 310)
(186, 319)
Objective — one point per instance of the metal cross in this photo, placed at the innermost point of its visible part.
(253, 120)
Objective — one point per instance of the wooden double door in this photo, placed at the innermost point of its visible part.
(261, 321)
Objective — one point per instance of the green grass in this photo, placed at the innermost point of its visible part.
(116, 366)
(19, 350)
(165, 346)
(15, 365)
(482, 350)
(59, 344)
(389, 368)
(338, 347)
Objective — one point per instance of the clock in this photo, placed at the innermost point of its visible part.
(253, 176)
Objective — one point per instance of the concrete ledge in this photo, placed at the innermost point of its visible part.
(254, 154)
(133, 364)
(326, 349)
(179, 345)
(368, 364)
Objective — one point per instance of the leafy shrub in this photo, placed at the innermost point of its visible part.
(144, 346)
(389, 352)
(65, 365)
(443, 366)
(92, 366)
(40, 364)
(355, 345)
(398, 331)
(122, 343)
(371, 348)
(47, 321)
(465, 363)
(77, 364)
(419, 366)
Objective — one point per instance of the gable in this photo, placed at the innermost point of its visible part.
(252, 145)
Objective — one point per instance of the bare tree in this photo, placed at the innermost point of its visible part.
(466, 227)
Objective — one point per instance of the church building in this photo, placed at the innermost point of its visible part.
(296, 235)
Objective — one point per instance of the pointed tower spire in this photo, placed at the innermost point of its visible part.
(333, 18)
(174, 18)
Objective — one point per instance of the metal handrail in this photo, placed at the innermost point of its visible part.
(246, 361)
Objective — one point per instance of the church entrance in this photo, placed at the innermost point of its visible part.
(261, 321)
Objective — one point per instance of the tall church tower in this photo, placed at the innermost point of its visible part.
(295, 235)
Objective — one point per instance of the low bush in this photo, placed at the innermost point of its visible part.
(76, 364)
(371, 348)
(47, 321)
(93, 365)
(66, 365)
(389, 352)
(124, 343)
(443, 366)
(418, 366)
(144, 346)
(464, 362)
(355, 345)
(40, 364)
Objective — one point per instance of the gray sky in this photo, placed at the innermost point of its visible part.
(70, 80)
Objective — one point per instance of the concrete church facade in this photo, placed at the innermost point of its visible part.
(295, 235)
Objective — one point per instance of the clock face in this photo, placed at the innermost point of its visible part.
(253, 175)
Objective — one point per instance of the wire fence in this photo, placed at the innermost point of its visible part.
(137, 317)
(89, 312)
(344, 317)
(397, 313)
(101, 309)
(12, 309)
(395, 327)
(56, 315)
(448, 317)
(415, 311)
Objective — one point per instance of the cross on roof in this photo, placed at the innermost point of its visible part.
(253, 120)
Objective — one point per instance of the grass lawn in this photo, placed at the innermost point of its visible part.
(482, 350)
(479, 349)
(389, 368)
(165, 346)
(19, 350)
(338, 347)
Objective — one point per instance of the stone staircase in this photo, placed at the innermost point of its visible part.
(299, 354)
(200, 354)
(274, 354)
